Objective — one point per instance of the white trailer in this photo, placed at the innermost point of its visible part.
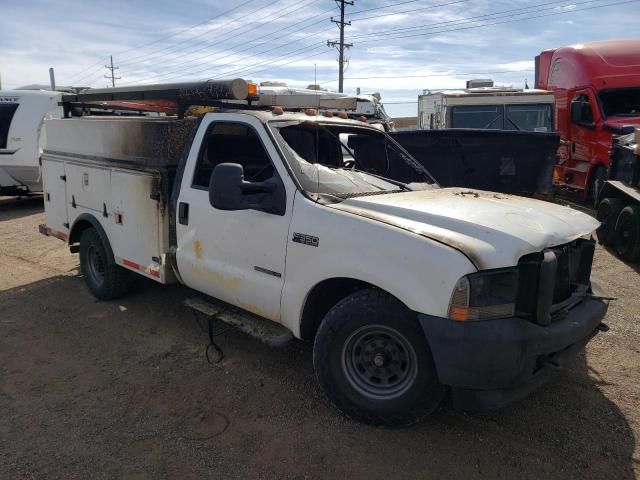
(22, 136)
(486, 107)
(326, 229)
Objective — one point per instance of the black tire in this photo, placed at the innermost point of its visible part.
(104, 277)
(607, 214)
(367, 327)
(596, 181)
(627, 243)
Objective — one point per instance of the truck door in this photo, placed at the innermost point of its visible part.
(582, 126)
(235, 256)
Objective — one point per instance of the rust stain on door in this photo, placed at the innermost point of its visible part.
(197, 247)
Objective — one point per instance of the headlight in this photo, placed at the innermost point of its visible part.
(485, 295)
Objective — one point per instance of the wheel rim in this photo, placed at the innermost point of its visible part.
(603, 216)
(626, 235)
(379, 362)
(96, 264)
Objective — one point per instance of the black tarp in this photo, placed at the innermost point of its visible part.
(495, 160)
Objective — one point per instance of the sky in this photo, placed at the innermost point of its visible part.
(399, 47)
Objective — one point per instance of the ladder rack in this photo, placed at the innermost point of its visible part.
(169, 98)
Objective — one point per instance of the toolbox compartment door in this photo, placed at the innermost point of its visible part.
(55, 197)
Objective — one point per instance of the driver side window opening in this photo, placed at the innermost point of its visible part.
(585, 110)
(228, 142)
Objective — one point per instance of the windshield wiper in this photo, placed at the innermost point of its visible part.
(364, 194)
(388, 180)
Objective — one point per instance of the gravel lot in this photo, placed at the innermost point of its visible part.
(122, 389)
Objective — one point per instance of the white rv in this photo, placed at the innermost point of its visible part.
(22, 136)
(484, 106)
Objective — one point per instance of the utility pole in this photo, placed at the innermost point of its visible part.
(341, 45)
(112, 75)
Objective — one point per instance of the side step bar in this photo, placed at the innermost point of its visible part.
(268, 332)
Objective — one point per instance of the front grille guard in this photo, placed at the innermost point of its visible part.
(553, 281)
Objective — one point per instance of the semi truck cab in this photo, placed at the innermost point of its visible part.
(596, 87)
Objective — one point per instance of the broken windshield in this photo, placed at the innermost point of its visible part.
(345, 161)
(620, 102)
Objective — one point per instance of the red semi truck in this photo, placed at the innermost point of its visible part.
(597, 95)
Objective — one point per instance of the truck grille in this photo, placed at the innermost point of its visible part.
(553, 280)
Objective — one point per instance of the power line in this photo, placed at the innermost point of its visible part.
(467, 19)
(170, 74)
(205, 44)
(136, 48)
(503, 22)
(153, 53)
(413, 10)
(439, 74)
(244, 44)
(251, 69)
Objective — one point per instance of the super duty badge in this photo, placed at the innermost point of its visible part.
(306, 239)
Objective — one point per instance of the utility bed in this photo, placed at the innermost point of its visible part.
(127, 186)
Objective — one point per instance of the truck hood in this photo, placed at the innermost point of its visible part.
(492, 229)
(619, 122)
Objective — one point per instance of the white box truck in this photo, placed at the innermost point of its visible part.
(328, 229)
(22, 137)
(483, 106)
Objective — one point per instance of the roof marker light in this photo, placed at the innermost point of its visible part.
(311, 112)
(344, 115)
(252, 90)
(277, 110)
(327, 113)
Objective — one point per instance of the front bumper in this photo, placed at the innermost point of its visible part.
(494, 362)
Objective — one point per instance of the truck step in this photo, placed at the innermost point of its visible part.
(268, 332)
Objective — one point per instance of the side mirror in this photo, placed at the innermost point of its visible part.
(581, 114)
(576, 112)
(225, 187)
(229, 191)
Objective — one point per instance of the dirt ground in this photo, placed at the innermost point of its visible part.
(123, 390)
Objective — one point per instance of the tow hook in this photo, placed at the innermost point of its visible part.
(603, 327)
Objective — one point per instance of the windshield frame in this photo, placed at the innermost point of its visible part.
(273, 127)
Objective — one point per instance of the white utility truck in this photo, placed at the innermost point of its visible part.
(327, 229)
(22, 136)
(483, 106)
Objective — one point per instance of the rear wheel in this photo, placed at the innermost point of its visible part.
(104, 277)
(372, 359)
(607, 214)
(628, 234)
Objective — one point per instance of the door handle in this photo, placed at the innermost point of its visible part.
(183, 213)
(573, 147)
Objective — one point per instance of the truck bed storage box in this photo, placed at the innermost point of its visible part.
(143, 141)
(108, 170)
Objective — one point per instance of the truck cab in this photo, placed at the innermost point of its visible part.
(328, 228)
(597, 95)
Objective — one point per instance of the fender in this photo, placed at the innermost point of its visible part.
(84, 221)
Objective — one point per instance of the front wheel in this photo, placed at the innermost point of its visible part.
(373, 361)
(628, 234)
(104, 277)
